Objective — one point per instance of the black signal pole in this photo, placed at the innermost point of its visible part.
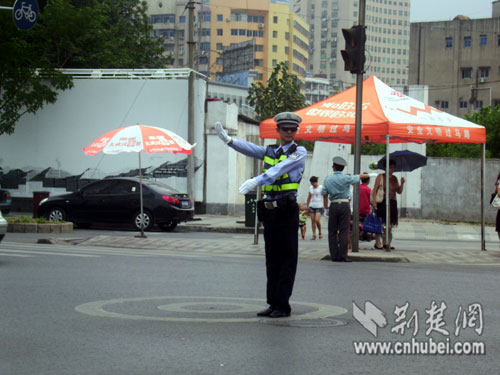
(357, 139)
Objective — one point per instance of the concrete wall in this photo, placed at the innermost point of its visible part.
(451, 189)
(55, 136)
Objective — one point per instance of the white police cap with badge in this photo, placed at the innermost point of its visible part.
(339, 161)
(287, 119)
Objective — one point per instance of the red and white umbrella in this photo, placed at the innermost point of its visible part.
(138, 138)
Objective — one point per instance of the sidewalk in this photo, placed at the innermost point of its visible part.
(415, 241)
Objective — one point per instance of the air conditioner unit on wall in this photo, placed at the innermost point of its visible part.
(261, 25)
(481, 80)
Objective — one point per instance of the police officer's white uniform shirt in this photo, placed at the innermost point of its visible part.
(294, 164)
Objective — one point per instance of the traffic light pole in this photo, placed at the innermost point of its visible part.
(357, 139)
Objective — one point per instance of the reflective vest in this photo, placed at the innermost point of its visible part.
(283, 183)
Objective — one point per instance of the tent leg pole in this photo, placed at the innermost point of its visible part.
(387, 201)
(483, 168)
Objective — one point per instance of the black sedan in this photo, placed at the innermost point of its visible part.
(117, 200)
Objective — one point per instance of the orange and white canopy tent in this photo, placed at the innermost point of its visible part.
(385, 112)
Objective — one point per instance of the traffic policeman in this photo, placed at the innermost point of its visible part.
(336, 188)
(278, 210)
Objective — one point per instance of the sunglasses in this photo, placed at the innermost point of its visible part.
(288, 130)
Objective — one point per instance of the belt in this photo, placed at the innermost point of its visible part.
(339, 200)
(270, 204)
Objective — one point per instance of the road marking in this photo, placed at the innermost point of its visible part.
(52, 253)
(16, 255)
(97, 308)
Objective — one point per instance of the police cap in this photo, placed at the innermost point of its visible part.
(339, 161)
(287, 119)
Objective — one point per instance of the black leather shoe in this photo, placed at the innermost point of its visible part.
(266, 312)
(346, 260)
(279, 314)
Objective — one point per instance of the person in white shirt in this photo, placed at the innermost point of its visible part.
(315, 206)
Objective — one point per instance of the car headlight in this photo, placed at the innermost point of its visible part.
(43, 201)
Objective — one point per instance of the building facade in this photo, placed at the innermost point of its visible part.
(459, 60)
(387, 44)
(233, 36)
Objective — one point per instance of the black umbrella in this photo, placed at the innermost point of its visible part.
(406, 161)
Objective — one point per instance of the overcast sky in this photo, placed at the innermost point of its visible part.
(446, 10)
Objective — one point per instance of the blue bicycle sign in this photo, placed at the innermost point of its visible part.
(25, 13)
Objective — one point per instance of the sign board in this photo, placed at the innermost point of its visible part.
(25, 14)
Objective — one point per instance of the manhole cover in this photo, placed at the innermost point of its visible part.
(305, 323)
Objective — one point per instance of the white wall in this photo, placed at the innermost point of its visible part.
(55, 136)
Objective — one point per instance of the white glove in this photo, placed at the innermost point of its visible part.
(325, 212)
(249, 185)
(222, 133)
(373, 174)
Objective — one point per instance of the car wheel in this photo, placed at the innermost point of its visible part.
(168, 227)
(83, 225)
(1, 237)
(56, 214)
(147, 220)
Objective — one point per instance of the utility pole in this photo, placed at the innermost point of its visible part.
(191, 43)
(354, 59)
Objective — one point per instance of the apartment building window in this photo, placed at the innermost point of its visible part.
(218, 60)
(478, 104)
(483, 40)
(442, 104)
(218, 46)
(258, 62)
(275, 62)
(462, 104)
(275, 34)
(219, 32)
(324, 5)
(275, 48)
(495, 102)
(484, 71)
(448, 42)
(275, 19)
(466, 73)
(467, 41)
(182, 19)
(260, 76)
(498, 40)
(259, 48)
(220, 18)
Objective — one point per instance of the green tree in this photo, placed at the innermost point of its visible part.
(282, 94)
(69, 34)
(490, 119)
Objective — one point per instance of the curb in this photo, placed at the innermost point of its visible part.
(209, 228)
(372, 258)
(40, 228)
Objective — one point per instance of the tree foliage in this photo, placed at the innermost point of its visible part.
(281, 94)
(487, 117)
(69, 34)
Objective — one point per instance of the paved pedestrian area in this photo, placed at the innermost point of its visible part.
(414, 241)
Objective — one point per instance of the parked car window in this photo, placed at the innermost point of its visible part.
(98, 187)
(123, 187)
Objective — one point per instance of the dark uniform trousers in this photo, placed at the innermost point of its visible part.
(281, 225)
(339, 217)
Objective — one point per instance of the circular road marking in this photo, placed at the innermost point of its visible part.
(206, 306)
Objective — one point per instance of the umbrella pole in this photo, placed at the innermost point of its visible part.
(387, 201)
(140, 198)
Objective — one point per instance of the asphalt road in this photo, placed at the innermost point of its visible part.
(89, 310)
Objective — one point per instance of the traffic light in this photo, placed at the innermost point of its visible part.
(354, 53)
